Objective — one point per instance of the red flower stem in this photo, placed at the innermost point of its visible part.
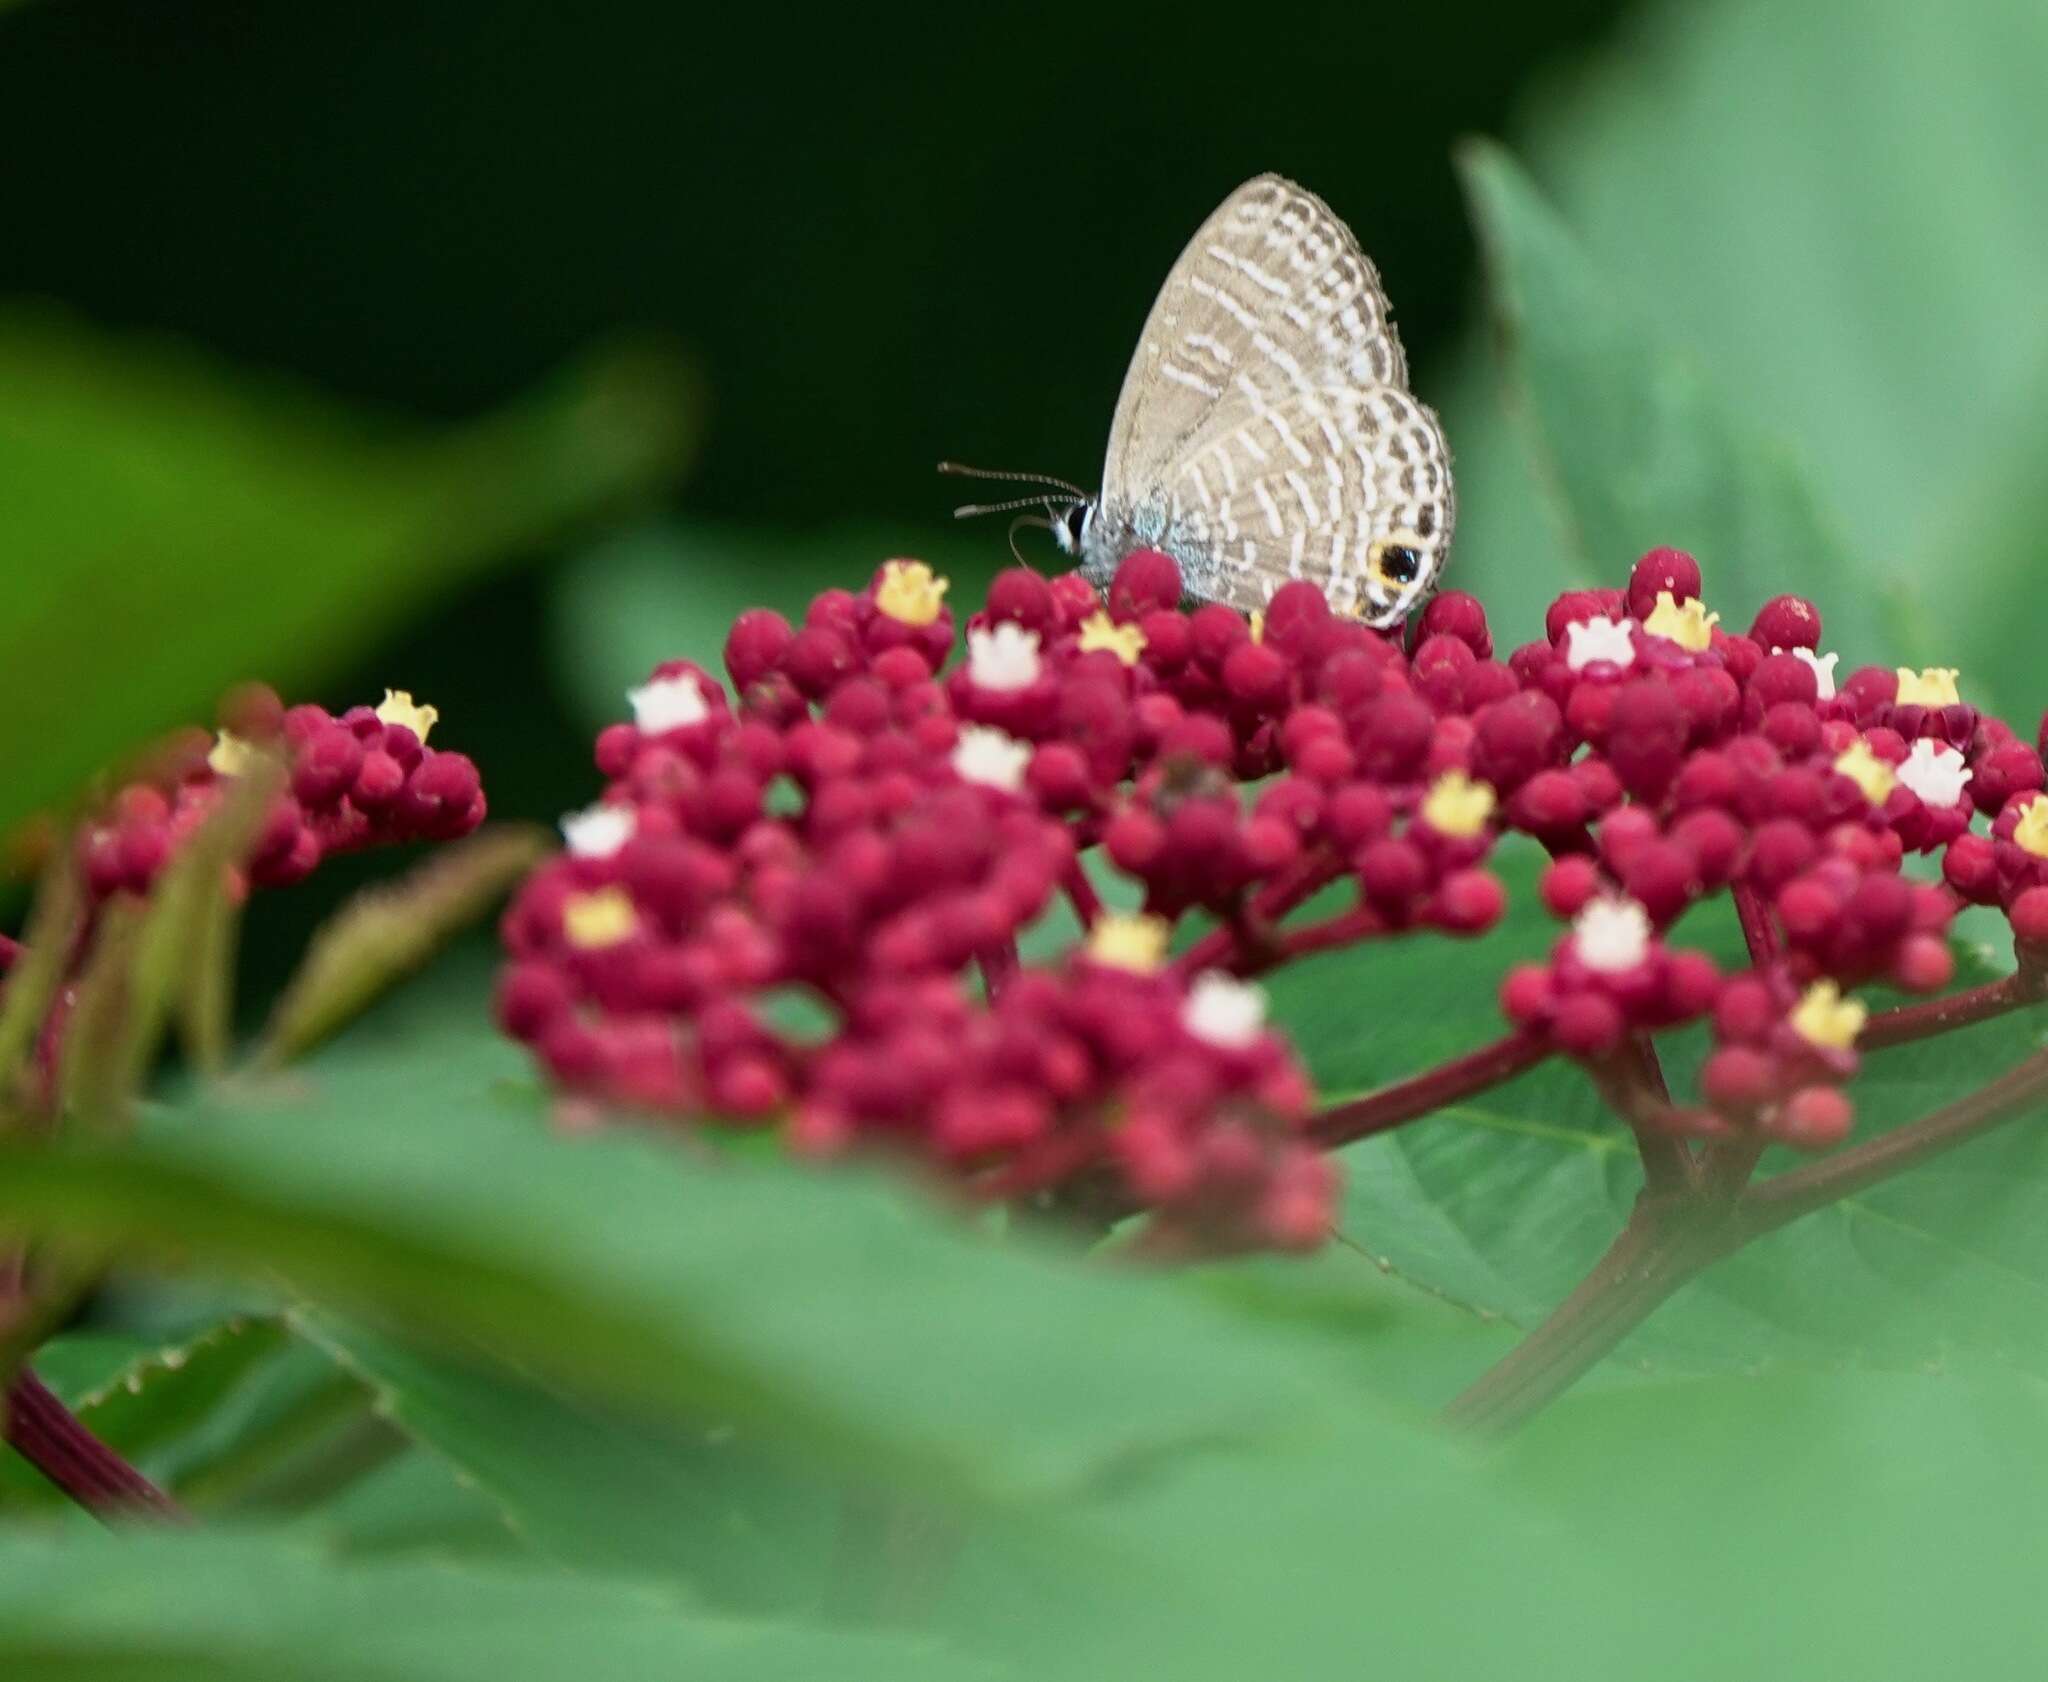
(1757, 932)
(1657, 1251)
(1786, 1197)
(1905, 1023)
(998, 965)
(49, 1436)
(1081, 894)
(1632, 1081)
(1226, 948)
(1668, 1240)
(1477, 1071)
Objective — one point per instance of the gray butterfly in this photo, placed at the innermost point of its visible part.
(1265, 430)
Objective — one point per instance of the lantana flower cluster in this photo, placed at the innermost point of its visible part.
(364, 779)
(877, 810)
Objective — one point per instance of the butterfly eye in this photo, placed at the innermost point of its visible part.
(1399, 564)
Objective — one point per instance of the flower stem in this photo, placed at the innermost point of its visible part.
(50, 1437)
(1905, 1023)
(1757, 932)
(1670, 1239)
(1491, 1065)
(1655, 1252)
(1786, 1197)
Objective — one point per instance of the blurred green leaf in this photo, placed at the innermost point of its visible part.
(1866, 1524)
(1632, 441)
(671, 592)
(387, 931)
(595, 1487)
(199, 1608)
(176, 526)
(826, 1312)
(1837, 206)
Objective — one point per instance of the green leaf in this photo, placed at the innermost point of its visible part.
(1869, 1525)
(831, 1315)
(388, 931)
(179, 527)
(204, 1608)
(1502, 1202)
(1632, 440)
(597, 1487)
(1856, 268)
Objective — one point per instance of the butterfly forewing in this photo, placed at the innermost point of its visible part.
(1265, 430)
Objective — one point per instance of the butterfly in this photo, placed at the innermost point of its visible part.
(1265, 431)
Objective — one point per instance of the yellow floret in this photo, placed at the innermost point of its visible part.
(602, 918)
(910, 592)
(398, 707)
(1458, 806)
(1126, 642)
(1688, 624)
(1826, 1019)
(1136, 943)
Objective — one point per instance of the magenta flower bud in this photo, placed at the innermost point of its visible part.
(1470, 902)
(325, 765)
(1692, 985)
(1738, 1078)
(380, 781)
(1487, 682)
(1793, 728)
(756, 645)
(531, 997)
(1391, 873)
(1660, 571)
(1357, 814)
(1661, 877)
(2029, 917)
(818, 659)
(1453, 613)
(1646, 738)
(1623, 834)
(1715, 843)
(1550, 805)
(1575, 607)
(1746, 1010)
(1023, 597)
(1587, 1025)
(1391, 733)
(1568, 884)
(1527, 995)
(1515, 739)
(1786, 622)
(1256, 676)
(2010, 769)
(1814, 1118)
(1781, 678)
(1439, 668)
(1145, 580)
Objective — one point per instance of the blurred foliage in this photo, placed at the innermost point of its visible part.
(487, 1400)
(1837, 206)
(182, 528)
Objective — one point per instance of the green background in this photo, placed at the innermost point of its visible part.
(499, 351)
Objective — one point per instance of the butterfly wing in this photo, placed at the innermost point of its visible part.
(1266, 411)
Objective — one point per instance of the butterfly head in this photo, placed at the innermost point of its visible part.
(1071, 525)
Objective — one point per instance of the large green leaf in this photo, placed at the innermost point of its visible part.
(1634, 443)
(596, 1487)
(1836, 206)
(173, 527)
(1503, 1201)
(829, 1313)
(205, 1608)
